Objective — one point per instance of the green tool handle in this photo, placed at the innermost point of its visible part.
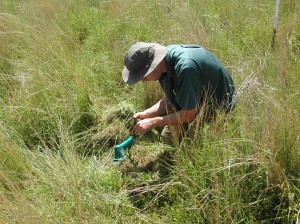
(127, 143)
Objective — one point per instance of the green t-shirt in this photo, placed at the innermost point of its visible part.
(194, 77)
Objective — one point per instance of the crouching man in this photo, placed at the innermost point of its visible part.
(193, 80)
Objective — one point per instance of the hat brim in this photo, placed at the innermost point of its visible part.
(132, 78)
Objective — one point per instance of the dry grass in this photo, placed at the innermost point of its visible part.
(64, 105)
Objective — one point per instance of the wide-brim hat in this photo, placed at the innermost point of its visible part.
(141, 59)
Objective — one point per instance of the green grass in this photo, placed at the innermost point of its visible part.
(63, 106)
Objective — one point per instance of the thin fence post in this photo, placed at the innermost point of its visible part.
(275, 23)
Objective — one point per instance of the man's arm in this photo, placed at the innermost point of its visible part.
(160, 108)
(177, 118)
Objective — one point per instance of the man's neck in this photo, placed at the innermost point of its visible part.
(163, 66)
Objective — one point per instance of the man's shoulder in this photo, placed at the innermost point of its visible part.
(185, 52)
(182, 58)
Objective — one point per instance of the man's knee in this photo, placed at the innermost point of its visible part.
(166, 136)
(173, 135)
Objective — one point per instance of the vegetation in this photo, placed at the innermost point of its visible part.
(63, 106)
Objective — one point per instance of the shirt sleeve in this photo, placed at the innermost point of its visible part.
(188, 88)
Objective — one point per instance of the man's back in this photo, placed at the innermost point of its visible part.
(197, 75)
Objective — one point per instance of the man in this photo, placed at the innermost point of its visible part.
(192, 78)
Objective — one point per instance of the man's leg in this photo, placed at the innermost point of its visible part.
(168, 136)
(173, 135)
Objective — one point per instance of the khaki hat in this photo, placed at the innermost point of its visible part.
(141, 59)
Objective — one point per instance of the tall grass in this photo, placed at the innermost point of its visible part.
(63, 106)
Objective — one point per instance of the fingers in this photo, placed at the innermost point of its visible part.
(138, 128)
(135, 116)
(141, 115)
(142, 126)
(136, 120)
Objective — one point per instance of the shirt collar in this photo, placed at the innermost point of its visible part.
(163, 77)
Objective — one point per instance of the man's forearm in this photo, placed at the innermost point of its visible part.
(176, 118)
(157, 109)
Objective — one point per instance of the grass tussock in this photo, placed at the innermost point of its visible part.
(63, 106)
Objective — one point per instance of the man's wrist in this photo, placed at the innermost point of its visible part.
(157, 122)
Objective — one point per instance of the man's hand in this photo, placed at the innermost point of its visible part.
(141, 115)
(145, 125)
